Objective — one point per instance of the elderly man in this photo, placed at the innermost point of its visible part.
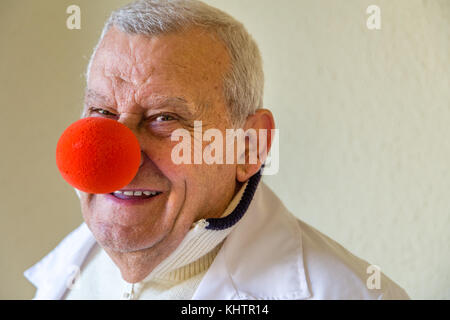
(191, 231)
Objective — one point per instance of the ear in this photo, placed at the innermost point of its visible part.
(262, 123)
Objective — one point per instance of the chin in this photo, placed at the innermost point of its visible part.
(123, 238)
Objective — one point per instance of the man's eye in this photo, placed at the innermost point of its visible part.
(102, 111)
(164, 118)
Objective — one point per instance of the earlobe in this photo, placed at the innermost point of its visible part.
(246, 171)
(263, 123)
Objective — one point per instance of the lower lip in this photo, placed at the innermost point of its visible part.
(130, 201)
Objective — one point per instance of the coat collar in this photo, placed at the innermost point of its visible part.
(54, 273)
(261, 259)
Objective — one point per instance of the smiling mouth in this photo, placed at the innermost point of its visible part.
(135, 194)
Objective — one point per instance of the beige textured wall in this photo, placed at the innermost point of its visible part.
(363, 115)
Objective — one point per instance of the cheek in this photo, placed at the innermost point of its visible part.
(213, 182)
(201, 177)
(95, 210)
(87, 206)
(159, 152)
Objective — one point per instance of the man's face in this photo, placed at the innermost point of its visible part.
(154, 86)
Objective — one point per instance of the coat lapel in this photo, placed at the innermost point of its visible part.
(53, 274)
(261, 258)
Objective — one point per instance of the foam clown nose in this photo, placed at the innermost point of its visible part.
(98, 155)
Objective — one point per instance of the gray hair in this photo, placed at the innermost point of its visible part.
(243, 84)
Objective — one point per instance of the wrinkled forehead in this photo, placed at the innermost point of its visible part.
(193, 56)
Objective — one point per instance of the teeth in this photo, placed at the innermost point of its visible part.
(136, 193)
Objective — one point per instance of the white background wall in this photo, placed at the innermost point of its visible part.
(363, 116)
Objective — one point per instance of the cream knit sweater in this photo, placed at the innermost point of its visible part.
(177, 277)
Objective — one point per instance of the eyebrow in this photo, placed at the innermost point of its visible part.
(154, 102)
(92, 96)
(159, 102)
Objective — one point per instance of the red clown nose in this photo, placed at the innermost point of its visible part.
(98, 155)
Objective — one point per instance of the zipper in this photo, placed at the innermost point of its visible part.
(201, 224)
(129, 292)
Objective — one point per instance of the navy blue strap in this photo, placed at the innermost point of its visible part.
(241, 208)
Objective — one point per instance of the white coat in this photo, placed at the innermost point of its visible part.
(270, 254)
